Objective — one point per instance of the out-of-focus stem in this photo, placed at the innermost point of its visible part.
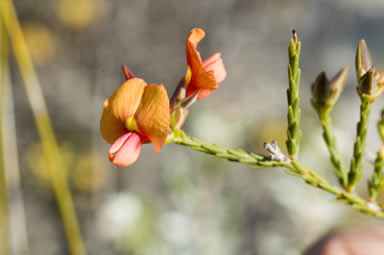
(17, 221)
(36, 100)
(4, 208)
(17, 225)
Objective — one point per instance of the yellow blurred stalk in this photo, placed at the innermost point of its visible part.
(17, 224)
(4, 208)
(47, 136)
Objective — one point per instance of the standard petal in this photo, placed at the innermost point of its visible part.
(125, 150)
(125, 101)
(153, 115)
(201, 80)
(215, 63)
(196, 35)
(111, 127)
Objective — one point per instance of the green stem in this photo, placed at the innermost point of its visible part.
(376, 182)
(294, 168)
(4, 207)
(36, 100)
(219, 151)
(294, 112)
(359, 146)
(336, 158)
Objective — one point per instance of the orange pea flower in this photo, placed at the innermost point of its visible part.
(134, 114)
(202, 77)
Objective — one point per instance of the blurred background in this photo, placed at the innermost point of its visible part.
(180, 201)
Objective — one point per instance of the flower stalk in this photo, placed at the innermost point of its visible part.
(294, 73)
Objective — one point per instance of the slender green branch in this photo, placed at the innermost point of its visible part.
(376, 182)
(294, 168)
(36, 100)
(221, 152)
(359, 146)
(294, 73)
(336, 158)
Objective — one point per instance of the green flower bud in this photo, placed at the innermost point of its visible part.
(370, 82)
(325, 93)
(370, 85)
(367, 84)
(363, 59)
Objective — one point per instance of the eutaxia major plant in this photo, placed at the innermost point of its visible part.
(138, 113)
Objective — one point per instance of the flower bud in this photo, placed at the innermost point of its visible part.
(326, 93)
(370, 82)
(363, 59)
(178, 95)
(179, 103)
(367, 84)
(127, 72)
(370, 85)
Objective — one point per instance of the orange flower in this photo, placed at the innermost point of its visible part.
(134, 114)
(202, 77)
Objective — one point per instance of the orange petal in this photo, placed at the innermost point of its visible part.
(195, 36)
(111, 127)
(125, 101)
(202, 80)
(153, 116)
(125, 150)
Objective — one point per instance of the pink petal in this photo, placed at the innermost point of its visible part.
(215, 63)
(125, 150)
